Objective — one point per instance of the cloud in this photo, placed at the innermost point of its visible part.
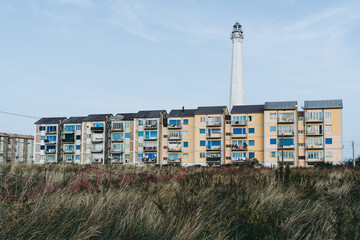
(126, 15)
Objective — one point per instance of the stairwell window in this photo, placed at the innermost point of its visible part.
(272, 115)
(327, 114)
(328, 140)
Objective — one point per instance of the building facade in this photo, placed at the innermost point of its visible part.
(16, 148)
(272, 133)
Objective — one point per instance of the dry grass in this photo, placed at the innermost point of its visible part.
(178, 203)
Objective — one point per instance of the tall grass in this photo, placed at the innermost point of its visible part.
(180, 203)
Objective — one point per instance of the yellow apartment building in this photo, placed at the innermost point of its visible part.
(323, 126)
(247, 133)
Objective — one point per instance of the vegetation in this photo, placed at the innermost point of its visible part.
(120, 202)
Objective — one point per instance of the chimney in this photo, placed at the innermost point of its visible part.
(183, 109)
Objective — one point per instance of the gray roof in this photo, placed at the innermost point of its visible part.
(247, 109)
(149, 114)
(125, 116)
(290, 105)
(316, 104)
(181, 113)
(97, 117)
(52, 120)
(210, 110)
(74, 120)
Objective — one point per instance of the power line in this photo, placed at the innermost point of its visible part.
(19, 115)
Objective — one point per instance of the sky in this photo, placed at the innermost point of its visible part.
(62, 58)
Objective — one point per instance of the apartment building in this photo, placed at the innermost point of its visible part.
(71, 140)
(272, 133)
(47, 147)
(247, 133)
(280, 133)
(147, 144)
(210, 135)
(96, 139)
(122, 138)
(179, 138)
(16, 148)
(323, 131)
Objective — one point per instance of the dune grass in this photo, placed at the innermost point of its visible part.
(179, 203)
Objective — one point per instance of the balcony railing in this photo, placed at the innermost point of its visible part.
(213, 159)
(117, 150)
(177, 125)
(68, 140)
(280, 133)
(314, 146)
(286, 159)
(97, 129)
(174, 137)
(150, 138)
(150, 126)
(242, 135)
(51, 132)
(213, 147)
(239, 147)
(315, 159)
(213, 123)
(285, 119)
(118, 129)
(50, 151)
(286, 146)
(47, 142)
(117, 160)
(174, 160)
(213, 135)
(314, 132)
(97, 150)
(239, 159)
(69, 151)
(174, 149)
(239, 123)
(117, 139)
(149, 160)
(150, 149)
(314, 119)
(96, 160)
(97, 139)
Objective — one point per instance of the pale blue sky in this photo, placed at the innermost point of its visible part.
(76, 57)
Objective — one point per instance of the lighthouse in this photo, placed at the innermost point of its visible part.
(237, 92)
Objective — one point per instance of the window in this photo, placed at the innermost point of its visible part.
(186, 155)
(272, 115)
(42, 137)
(272, 141)
(78, 137)
(228, 134)
(214, 145)
(251, 130)
(78, 127)
(127, 125)
(140, 155)
(202, 143)
(251, 143)
(117, 136)
(99, 125)
(69, 128)
(301, 144)
(272, 128)
(287, 155)
(42, 128)
(77, 147)
(251, 118)
(150, 134)
(202, 155)
(314, 116)
(236, 156)
(51, 129)
(141, 122)
(288, 142)
(51, 138)
(327, 114)
(117, 125)
(185, 133)
(127, 135)
(301, 131)
(174, 123)
(202, 130)
(140, 145)
(328, 140)
(77, 157)
(118, 146)
(88, 135)
(186, 121)
(239, 131)
(273, 154)
(301, 119)
(251, 155)
(315, 155)
(42, 147)
(186, 144)
(141, 134)
(328, 128)
(329, 154)
(202, 119)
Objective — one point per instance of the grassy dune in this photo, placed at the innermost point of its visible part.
(178, 203)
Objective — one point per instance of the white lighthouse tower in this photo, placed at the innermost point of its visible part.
(237, 92)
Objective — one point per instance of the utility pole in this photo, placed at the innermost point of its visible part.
(282, 149)
(353, 148)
